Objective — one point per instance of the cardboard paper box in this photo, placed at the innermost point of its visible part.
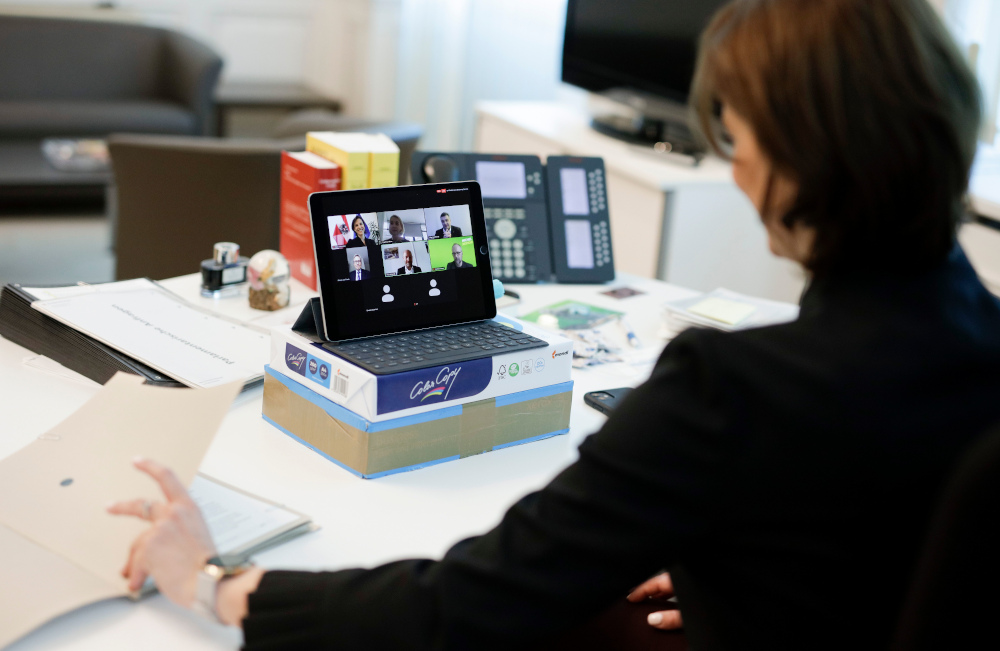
(373, 450)
(380, 397)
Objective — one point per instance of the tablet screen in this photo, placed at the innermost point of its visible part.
(398, 259)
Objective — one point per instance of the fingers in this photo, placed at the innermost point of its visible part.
(165, 477)
(658, 586)
(135, 570)
(666, 620)
(128, 561)
(139, 508)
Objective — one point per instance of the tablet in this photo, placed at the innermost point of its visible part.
(397, 259)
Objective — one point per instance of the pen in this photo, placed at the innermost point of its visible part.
(511, 294)
(633, 340)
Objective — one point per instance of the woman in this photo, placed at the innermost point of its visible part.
(359, 227)
(783, 475)
(396, 230)
(374, 251)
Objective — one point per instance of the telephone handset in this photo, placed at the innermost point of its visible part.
(541, 220)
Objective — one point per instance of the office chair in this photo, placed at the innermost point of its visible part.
(954, 596)
(174, 197)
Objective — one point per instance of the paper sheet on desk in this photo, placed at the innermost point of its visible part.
(764, 312)
(238, 521)
(155, 327)
(52, 516)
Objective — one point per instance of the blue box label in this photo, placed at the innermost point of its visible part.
(318, 371)
(433, 385)
(296, 359)
(307, 365)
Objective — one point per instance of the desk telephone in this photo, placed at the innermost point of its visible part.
(542, 221)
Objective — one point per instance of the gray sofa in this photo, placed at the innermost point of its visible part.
(81, 78)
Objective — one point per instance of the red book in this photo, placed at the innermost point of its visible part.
(302, 173)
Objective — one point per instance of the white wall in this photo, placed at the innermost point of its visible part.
(976, 26)
(454, 53)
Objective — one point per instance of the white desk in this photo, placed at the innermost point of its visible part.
(364, 522)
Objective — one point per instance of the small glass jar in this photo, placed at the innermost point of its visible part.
(269, 276)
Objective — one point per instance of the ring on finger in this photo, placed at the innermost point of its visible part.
(146, 508)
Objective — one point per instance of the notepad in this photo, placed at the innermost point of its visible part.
(723, 310)
(726, 310)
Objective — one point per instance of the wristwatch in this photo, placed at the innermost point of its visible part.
(216, 569)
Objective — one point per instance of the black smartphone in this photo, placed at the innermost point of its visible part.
(605, 401)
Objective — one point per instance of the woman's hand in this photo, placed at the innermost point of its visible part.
(176, 546)
(658, 587)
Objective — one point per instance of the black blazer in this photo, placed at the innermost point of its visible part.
(402, 270)
(455, 232)
(452, 265)
(784, 475)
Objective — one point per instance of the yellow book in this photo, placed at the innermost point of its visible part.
(383, 165)
(349, 150)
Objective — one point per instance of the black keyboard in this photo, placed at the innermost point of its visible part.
(407, 352)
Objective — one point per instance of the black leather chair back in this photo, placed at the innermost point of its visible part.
(955, 597)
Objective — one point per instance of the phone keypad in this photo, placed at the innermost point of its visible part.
(595, 187)
(602, 243)
(510, 245)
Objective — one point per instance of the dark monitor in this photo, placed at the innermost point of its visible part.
(645, 45)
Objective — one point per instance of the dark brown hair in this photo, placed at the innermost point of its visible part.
(866, 104)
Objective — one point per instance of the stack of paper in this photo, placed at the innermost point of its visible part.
(726, 310)
(134, 326)
(44, 335)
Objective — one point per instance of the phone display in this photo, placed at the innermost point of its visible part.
(573, 182)
(501, 180)
(397, 259)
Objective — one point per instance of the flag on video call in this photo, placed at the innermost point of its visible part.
(340, 229)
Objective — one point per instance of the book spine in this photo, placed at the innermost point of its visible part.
(384, 168)
(353, 165)
(298, 181)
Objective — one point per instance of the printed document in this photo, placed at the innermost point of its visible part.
(148, 323)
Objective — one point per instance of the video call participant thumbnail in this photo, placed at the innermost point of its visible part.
(404, 259)
(401, 226)
(358, 265)
(454, 253)
(408, 266)
(447, 230)
(360, 230)
(350, 230)
(448, 221)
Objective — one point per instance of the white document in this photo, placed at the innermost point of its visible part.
(148, 323)
(721, 309)
(738, 311)
(240, 522)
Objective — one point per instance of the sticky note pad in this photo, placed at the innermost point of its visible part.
(720, 309)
